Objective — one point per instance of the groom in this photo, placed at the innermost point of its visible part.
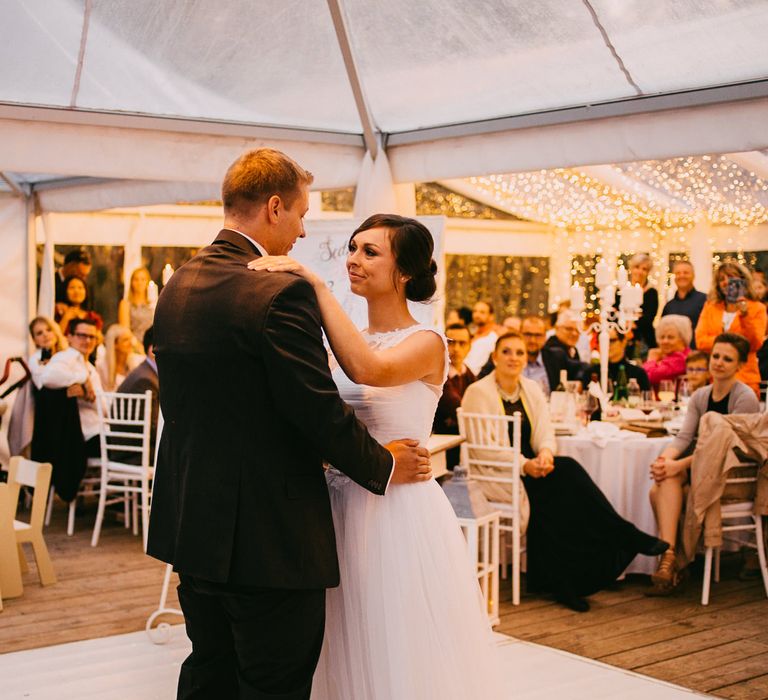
(240, 505)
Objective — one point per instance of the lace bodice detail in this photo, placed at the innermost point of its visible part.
(393, 412)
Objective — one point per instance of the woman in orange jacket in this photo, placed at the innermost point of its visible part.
(732, 307)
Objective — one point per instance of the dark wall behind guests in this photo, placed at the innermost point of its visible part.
(516, 285)
(155, 258)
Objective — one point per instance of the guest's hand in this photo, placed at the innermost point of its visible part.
(88, 393)
(654, 354)
(75, 390)
(538, 468)
(665, 468)
(283, 263)
(411, 462)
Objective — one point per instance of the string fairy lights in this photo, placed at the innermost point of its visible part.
(665, 198)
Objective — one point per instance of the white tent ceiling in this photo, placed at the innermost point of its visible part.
(170, 91)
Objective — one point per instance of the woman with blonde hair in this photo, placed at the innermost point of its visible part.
(732, 307)
(118, 359)
(674, 334)
(643, 336)
(48, 340)
(135, 311)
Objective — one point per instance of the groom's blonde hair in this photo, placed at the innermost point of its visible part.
(257, 175)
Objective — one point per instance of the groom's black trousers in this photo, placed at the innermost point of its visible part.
(249, 643)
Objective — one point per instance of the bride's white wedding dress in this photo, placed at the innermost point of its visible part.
(407, 621)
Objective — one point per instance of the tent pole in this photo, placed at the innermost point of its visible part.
(17, 191)
(369, 130)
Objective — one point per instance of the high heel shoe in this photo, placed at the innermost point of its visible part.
(668, 576)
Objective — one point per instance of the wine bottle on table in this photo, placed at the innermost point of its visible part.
(559, 405)
(621, 389)
(563, 385)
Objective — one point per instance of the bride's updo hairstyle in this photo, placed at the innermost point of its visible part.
(412, 246)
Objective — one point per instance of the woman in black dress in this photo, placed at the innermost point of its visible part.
(576, 542)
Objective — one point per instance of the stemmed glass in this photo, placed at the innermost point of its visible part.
(588, 404)
(666, 391)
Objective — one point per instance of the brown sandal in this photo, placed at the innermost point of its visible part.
(668, 576)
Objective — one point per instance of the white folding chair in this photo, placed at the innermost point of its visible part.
(489, 457)
(124, 431)
(25, 472)
(737, 516)
(89, 486)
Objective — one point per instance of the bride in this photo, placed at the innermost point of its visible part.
(407, 621)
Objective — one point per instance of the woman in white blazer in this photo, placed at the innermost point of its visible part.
(577, 543)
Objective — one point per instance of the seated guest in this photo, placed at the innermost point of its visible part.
(145, 377)
(697, 370)
(576, 542)
(512, 323)
(670, 472)
(673, 334)
(48, 340)
(617, 349)
(563, 343)
(118, 359)
(76, 304)
(484, 338)
(744, 315)
(66, 428)
(77, 263)
(688, 301)
(459, 378)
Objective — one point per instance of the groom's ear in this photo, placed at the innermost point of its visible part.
(274, 205)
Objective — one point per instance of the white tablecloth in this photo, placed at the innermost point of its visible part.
(621, 470)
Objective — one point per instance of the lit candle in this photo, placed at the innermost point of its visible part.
(638, 296)
(167, 273)
(602, 274)
(152, 293)
(626, 297)
(622, 277)
(609, 295)
(577, 297)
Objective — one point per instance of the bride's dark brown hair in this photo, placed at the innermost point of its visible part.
(412, 247)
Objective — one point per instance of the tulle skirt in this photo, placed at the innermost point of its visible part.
(408, 621)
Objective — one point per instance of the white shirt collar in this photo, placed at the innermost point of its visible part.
(258, 245)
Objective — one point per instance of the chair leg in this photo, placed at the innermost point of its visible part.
(49, 507)
(717, 565)
(71, 517)
(127, 509)
(516, 563)
(135, 512)
(43, 559)
(707, 576)
(760, 541)
(23, 566)
(99, 515)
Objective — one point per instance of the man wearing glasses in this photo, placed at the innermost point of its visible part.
(71, 370)
(562, 346)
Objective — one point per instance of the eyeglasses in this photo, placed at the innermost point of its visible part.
(697, 370)
(533, 335)
(85, 336)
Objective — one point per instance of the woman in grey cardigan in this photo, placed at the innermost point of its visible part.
(670, 471)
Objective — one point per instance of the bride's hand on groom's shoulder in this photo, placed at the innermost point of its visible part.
(283, 263)
(411, 462)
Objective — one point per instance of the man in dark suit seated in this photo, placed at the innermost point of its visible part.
(459, 378)
(561, 347)
(142, 378)
(617, 349)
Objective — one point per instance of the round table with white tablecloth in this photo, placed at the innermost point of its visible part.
(621, 469)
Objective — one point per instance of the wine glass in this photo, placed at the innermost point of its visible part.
(646, 402)
(666, 391)
(683, 391)
(588, 404)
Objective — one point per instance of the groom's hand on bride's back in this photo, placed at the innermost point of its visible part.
(411, 462)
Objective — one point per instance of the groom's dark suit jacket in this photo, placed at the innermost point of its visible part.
(250, 413)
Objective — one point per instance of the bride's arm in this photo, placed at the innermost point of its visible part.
(419, 356)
